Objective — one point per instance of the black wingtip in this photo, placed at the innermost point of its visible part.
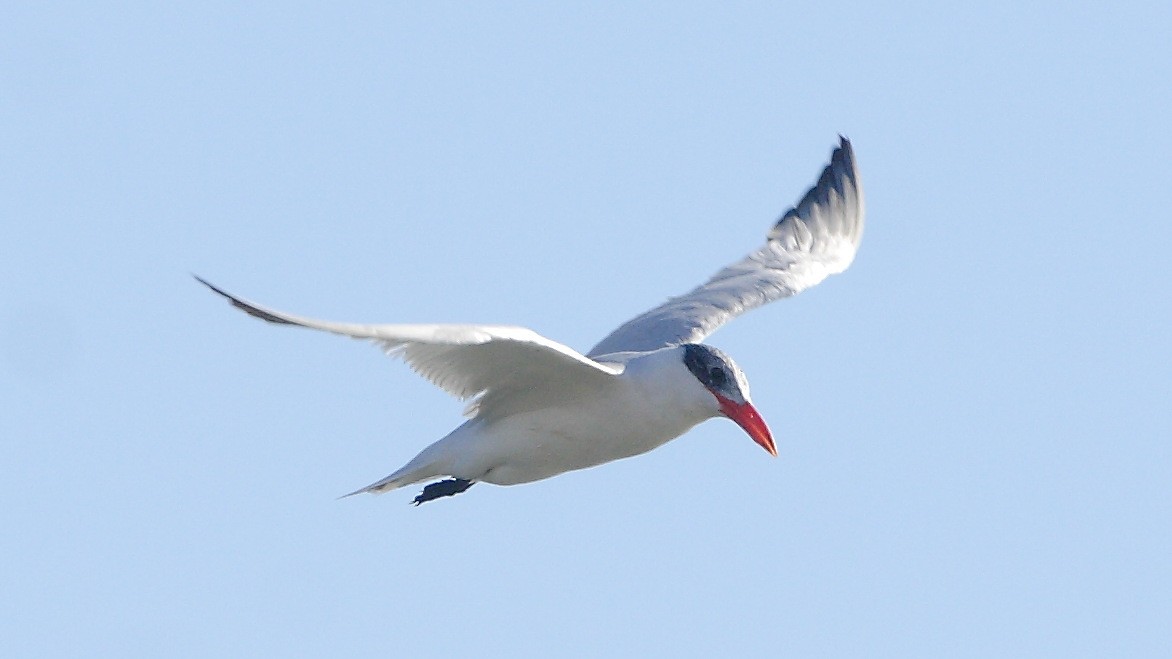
(210, 285)
(244, 306)
(844, 153)
(839, 172)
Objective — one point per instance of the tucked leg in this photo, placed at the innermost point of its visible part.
(443, 489)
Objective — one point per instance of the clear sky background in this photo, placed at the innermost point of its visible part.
(973, 421)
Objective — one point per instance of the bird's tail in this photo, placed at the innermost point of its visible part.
(409, 474)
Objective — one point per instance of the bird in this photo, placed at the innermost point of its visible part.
(538, 408)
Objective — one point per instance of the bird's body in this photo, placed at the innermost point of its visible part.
(540, 408)
(640, 409)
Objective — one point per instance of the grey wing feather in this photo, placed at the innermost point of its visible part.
(816, 238)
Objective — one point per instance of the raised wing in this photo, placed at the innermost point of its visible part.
(816, 238)
(504, 369)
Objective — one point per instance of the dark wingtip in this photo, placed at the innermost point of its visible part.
(840, 169)
(240, 304)
(845, 153)
(210, 285)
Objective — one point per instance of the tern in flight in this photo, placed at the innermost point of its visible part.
(539, 408)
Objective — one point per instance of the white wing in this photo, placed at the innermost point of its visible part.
(816, 238)
(505, 369)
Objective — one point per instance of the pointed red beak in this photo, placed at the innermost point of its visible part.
(747, 418)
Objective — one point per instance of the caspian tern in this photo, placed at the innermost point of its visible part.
(539, 408)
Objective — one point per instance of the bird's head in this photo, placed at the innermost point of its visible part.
(718, 374)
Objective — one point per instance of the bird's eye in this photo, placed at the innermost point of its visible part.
(717, 376)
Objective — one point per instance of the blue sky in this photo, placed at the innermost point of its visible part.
(973, 422)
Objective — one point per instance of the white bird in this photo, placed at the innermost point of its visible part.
(539, 408)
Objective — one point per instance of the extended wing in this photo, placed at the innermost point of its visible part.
(816, 238)
(504, 369)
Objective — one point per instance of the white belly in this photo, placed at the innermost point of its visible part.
(534, 445)
(654, 401)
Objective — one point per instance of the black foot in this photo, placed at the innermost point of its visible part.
(442, 489)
